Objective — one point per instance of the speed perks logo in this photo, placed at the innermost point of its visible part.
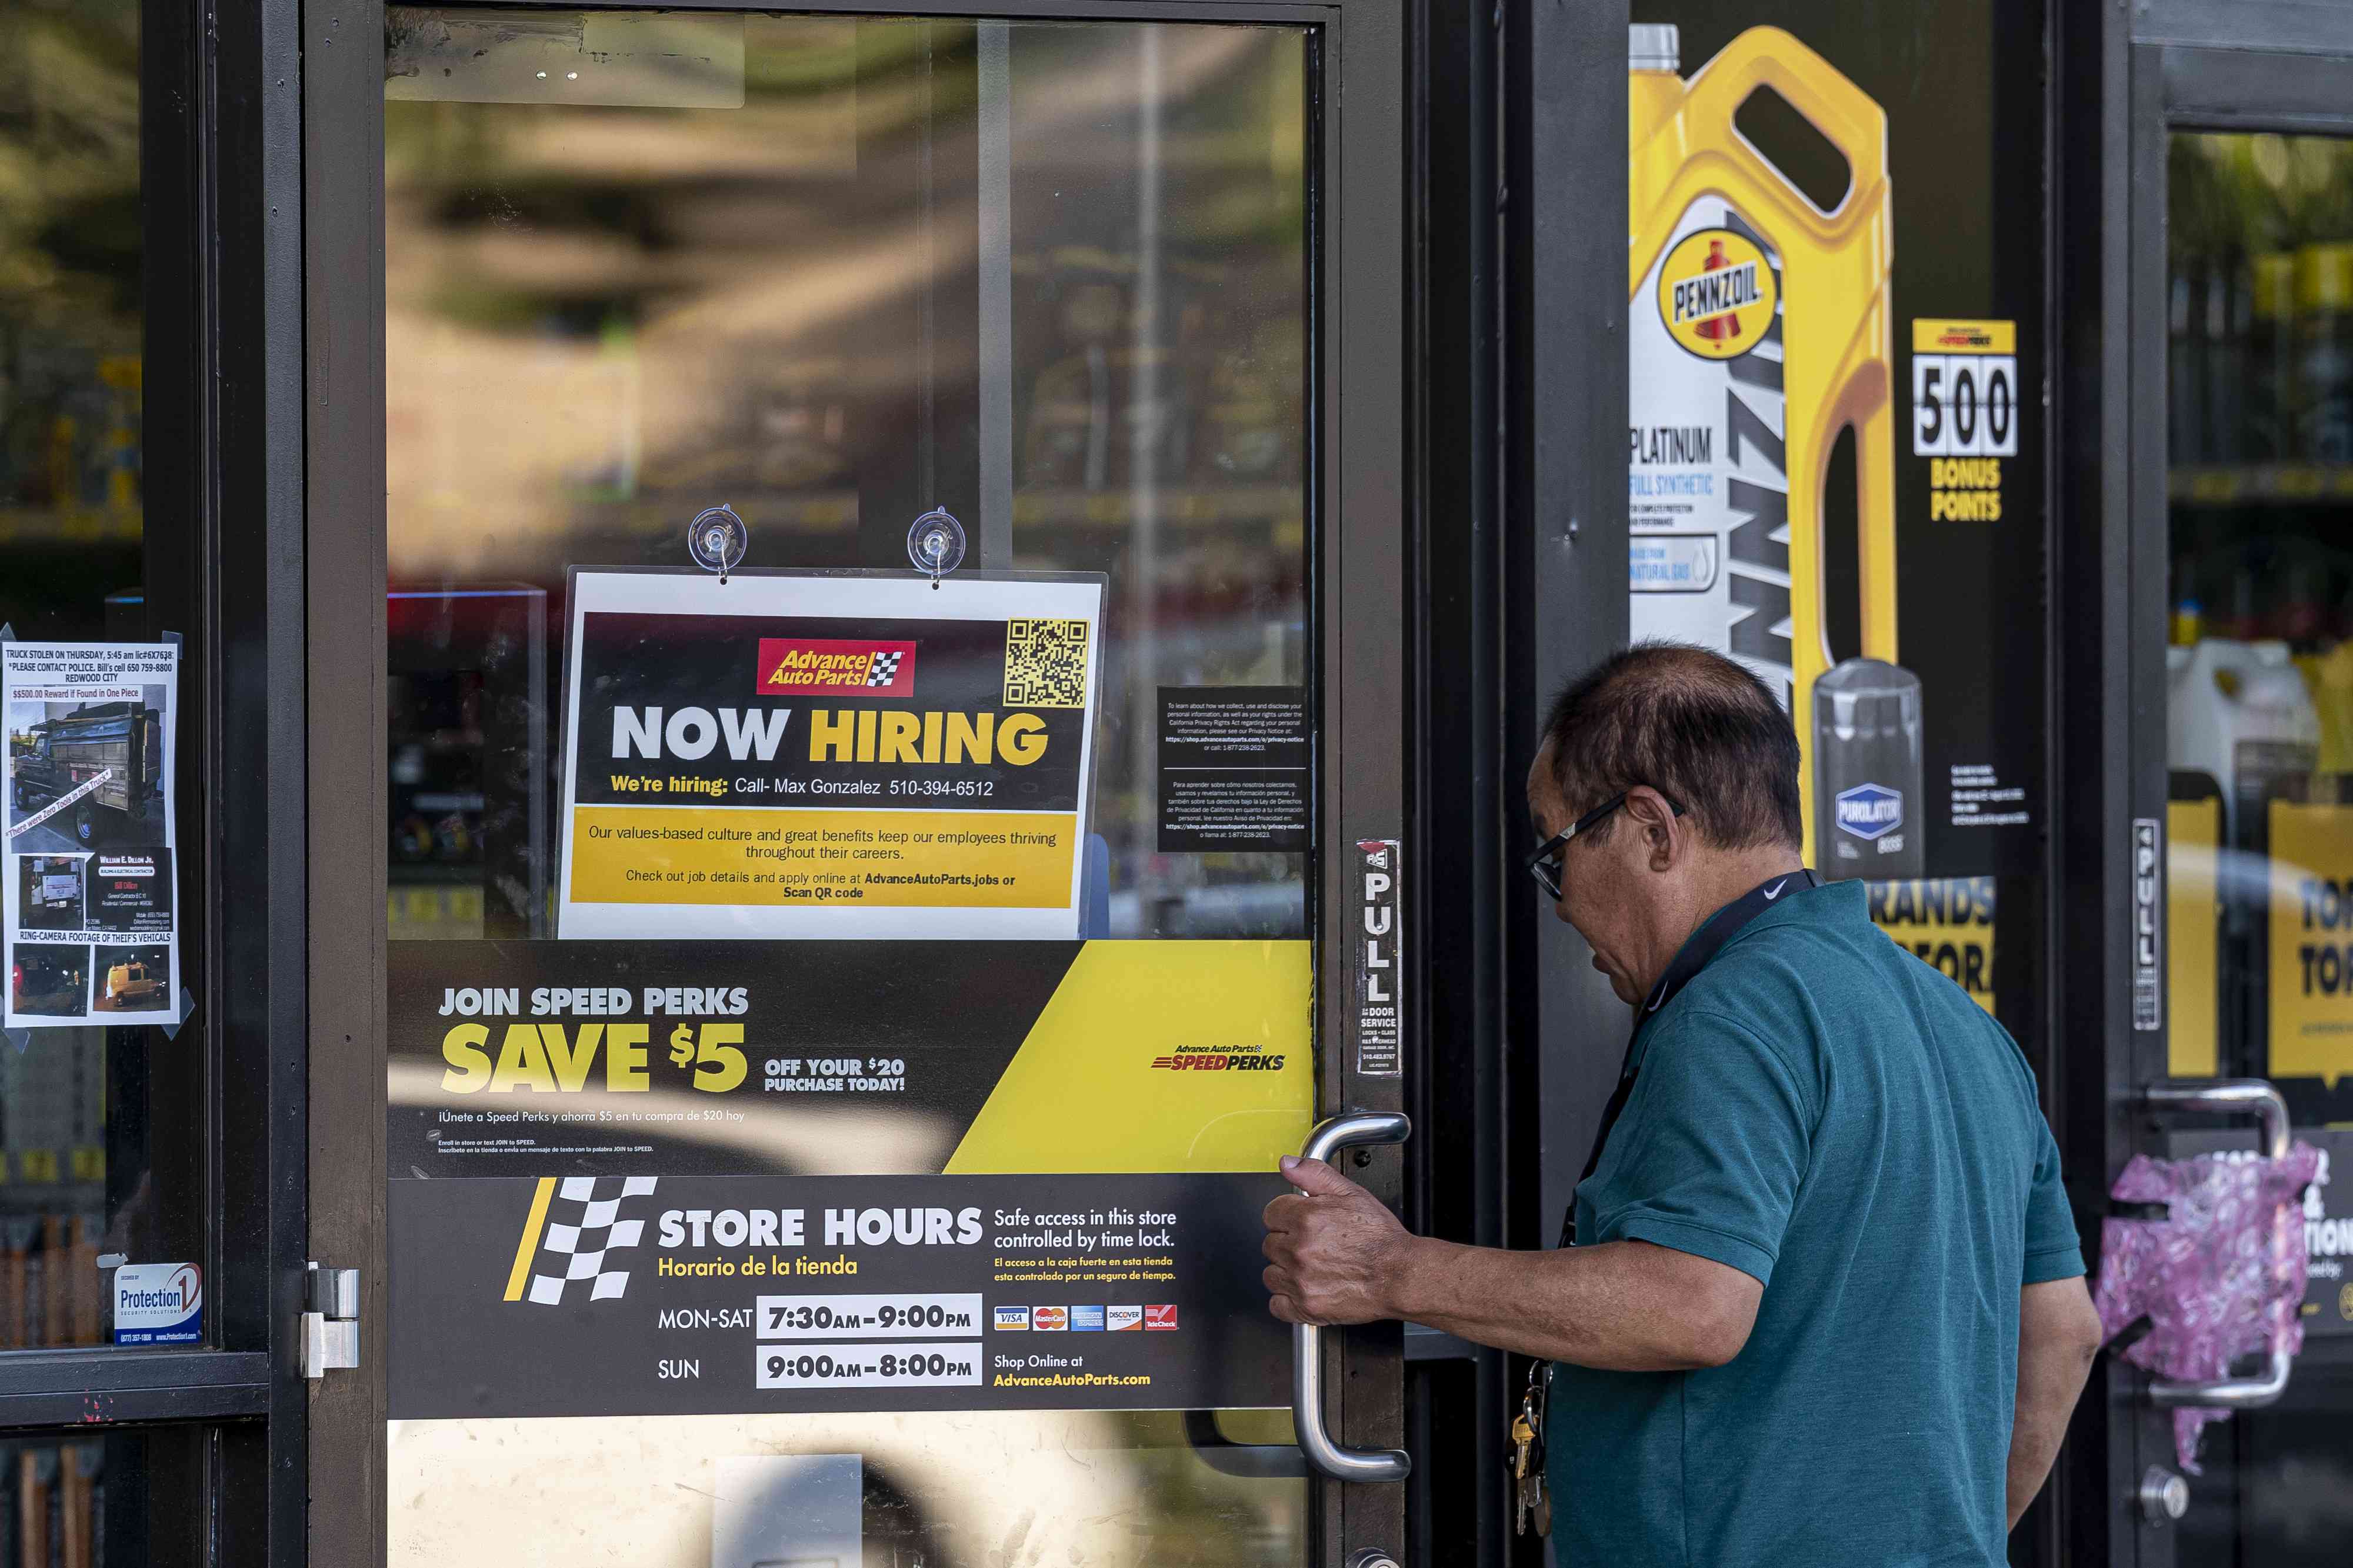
(799, 666)
(1251, 1057)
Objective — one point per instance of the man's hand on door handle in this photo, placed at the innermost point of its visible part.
(1333, 1253)
(1337, 1255)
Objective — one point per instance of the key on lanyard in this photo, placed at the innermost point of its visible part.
(1528, 1459)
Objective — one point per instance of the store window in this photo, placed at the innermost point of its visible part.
(102, 1166)
(2259, 720)
(2260, 394)
(808, 283)
(832, 306)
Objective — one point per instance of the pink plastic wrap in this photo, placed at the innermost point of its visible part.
(2219, 1278)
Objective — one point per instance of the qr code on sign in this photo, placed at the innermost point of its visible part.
(1045, 664)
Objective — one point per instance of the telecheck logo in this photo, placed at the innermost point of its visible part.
(1161, 1318)
(802, 666)
(1717, 294)
(1012, 1319)
(1049, 1320)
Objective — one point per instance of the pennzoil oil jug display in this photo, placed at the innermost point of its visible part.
(1761, 330)
(1789, 188)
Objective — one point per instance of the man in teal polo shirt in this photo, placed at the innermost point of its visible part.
(1824, 1300)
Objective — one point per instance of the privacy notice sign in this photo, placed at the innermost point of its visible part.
(89, 880)
(827, 754)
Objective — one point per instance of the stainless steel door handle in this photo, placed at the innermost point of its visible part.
(2225, 1097)
(1324, 1456)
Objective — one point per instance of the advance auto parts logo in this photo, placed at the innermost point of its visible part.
(1717, 294)
(1251, 1057)
(795, 667)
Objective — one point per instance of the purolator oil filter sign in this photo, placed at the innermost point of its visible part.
(1828, 223)
(644, 1178)
(827, 754)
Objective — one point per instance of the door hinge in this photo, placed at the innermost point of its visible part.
(331, 1326)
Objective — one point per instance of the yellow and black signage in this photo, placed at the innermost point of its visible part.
(1948, 924)
(2193, 936)
(1718, 293)
(2311, 941)
(801, 754)
(1835, 450)
(728, 1057)
(838, 1176)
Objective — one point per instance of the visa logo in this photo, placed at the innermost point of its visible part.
(1011, 1320)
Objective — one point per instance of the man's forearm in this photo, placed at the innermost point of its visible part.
(2035, 1433)
(1623, 1306)
(2058, 1337)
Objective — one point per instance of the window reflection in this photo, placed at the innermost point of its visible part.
(113, 1500)
(834, 273)
(1051, 278)
(2260, 398)
(88, 1171)
(2260, 734)
(70, 312)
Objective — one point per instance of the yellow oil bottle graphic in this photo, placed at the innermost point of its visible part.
(1761, 331)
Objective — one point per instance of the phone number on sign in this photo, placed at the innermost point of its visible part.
(943, 787)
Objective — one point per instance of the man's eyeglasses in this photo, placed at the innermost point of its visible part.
(1544, 864)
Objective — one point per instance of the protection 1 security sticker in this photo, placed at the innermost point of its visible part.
(159, 1304)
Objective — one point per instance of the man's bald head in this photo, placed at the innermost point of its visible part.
(1691, 725)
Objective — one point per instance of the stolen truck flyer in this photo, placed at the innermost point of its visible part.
(828, 755)
(91, 878)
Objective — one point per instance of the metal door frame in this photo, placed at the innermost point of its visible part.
(2124, 79)
(1358, 491)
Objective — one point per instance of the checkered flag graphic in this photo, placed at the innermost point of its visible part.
(884, 669)
(591, 1231)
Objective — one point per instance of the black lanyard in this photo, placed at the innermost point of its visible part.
(1704, 944)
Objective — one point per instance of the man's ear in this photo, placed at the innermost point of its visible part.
(1660, 831)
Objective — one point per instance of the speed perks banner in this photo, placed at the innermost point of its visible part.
(836, 755)
(735, 1176)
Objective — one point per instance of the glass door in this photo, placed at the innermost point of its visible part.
(150, 1396)
(2259, 724)
(876, 713)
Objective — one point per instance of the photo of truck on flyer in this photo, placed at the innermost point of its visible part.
(99, 763)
